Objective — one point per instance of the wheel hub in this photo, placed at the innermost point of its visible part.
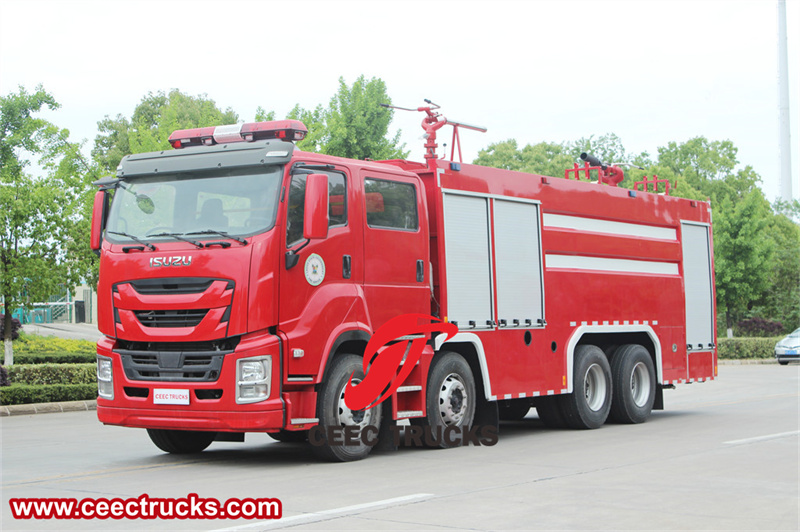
(640, 384)
(346, 416)
(453, 400)
(594, 387)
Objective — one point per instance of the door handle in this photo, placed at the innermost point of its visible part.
(420, 271)
(346, 267)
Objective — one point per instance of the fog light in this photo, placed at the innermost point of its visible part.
(105, 378)
(253, 376)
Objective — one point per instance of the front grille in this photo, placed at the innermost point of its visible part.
(171, 318)
(175, 285)
(171, 365)
(224, 344)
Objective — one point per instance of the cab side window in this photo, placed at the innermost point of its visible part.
(391, 204)
(337, 205)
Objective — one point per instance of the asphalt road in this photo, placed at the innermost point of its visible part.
(724, 455)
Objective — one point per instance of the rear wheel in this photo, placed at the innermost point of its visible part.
(181, 441)
(333, 412)
(588, 406)
(634, 379)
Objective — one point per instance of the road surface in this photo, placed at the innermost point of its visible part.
(724, 455)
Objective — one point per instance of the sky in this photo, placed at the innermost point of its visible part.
(649, 71)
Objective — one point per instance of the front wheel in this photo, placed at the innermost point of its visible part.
(451, 399)
(181, 441)
(588, 406)
(334, 414)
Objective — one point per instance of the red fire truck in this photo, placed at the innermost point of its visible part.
(242, 278)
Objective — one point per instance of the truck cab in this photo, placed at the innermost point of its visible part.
(234, 267)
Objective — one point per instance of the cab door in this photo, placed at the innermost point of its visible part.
(318, 293)
(396, 251)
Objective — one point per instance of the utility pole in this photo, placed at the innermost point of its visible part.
(783, 105)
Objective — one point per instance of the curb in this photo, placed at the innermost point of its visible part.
(47, 408)
(745, 361)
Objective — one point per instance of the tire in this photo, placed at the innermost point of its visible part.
(634, 379)
(181, 441)
(549, 411)
(513, 409)
(451, 397)
(289, 436)
(783, 362)
(588, 406)
(333, 412)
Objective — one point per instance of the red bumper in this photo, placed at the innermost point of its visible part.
(212, 405)
(214, 420)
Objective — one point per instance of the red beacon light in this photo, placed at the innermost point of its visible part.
(292, 130)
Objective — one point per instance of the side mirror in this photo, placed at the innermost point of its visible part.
(98, 220)
(315, 214)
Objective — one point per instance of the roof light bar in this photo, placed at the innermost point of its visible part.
(291, 130)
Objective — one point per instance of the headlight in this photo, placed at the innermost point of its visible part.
(105, 378)
(253, 376)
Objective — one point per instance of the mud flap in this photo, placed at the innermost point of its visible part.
(658, 404)
(486, 414)
(386, 434)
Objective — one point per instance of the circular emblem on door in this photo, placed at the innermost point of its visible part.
(315, 269)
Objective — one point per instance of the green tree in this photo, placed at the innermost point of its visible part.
(43, 224)
(781, 302)
(743, 254)
(544, 158)
(357, 125)
(315, 122)
(153, 120)
(608, 148)
(354, 125)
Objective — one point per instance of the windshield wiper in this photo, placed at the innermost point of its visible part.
(136, 239)
(241, 240)
(178, 236)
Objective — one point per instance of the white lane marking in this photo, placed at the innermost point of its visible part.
(324, 515)
(763, 438)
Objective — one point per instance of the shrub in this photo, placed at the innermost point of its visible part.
(3, 376)
(15, 326)
(33, 343)
(39, 374)
(759, 327)
(55, 358)
(740, 348)
(18, 394)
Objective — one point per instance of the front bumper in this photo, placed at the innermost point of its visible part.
(787, 355)
(212, 405)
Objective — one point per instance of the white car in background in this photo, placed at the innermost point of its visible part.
(789, 348)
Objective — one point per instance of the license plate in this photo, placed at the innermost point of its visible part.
(163, 396)
(791, 351)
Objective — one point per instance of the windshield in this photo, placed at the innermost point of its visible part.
(204, 205)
